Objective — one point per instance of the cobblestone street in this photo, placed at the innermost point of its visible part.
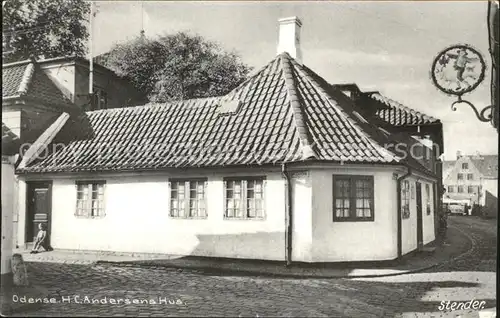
(187, 293)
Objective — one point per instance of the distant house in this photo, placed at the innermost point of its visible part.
(284, 167)
(40, 95)
(473, 178)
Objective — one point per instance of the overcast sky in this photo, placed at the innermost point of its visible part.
(385, 46)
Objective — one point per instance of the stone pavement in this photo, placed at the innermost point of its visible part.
(104, 289)
(455, 244)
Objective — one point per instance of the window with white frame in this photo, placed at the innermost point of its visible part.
(428, 198)
(90, 199)
(244, 198)
(405, 199)
(188, 198)
(353, 198)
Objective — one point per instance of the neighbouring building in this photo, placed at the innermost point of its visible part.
(10, 145)
(284, 167)
(473, 178)
(40, 95)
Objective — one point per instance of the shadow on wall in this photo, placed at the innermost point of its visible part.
(264, 245)
(491, 205)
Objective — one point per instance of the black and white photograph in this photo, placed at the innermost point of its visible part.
(249, 158)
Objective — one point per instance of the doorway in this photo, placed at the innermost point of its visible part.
(38, 208)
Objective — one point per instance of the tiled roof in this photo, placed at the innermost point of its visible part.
(396, 113)
(487, 165)
(10, 141)
(11, 79)
(377, 106)
(25, 80)
(286, 113)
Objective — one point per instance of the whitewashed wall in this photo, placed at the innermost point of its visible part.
(302, 225)
(354, 241)
(15, 216)
(137, 220)
(409, 226)
(7, 212)
(21, 212)
(428, 220)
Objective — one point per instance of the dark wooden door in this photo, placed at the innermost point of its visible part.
(420, 229)
(39, 209)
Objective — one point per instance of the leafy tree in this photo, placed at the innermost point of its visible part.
(177, 66)
(45, 28)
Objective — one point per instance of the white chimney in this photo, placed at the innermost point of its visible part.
(289, 37)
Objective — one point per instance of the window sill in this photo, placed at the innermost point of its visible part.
(188, 218)
(243, 219)
(89, 217)
(354, 220)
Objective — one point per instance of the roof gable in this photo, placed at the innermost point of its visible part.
(285, 113)
(487, 165)
(484, 165)
(26, 81)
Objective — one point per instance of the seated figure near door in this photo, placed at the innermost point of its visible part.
(41, 239)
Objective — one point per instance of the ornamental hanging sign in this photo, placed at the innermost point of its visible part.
(459, 70)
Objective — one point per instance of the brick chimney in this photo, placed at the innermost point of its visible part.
(289, 37)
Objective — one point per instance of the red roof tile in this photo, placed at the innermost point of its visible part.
(286, 113)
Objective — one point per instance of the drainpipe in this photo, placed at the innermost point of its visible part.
(288, 215)
(400, 227)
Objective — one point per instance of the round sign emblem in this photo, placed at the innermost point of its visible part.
(458, 69)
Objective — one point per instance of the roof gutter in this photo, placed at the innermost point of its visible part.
(400, 217)
(288, 215)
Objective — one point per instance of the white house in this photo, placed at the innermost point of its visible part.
(282, 168)
(474, 179)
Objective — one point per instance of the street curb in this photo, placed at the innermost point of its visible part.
(209, 269)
